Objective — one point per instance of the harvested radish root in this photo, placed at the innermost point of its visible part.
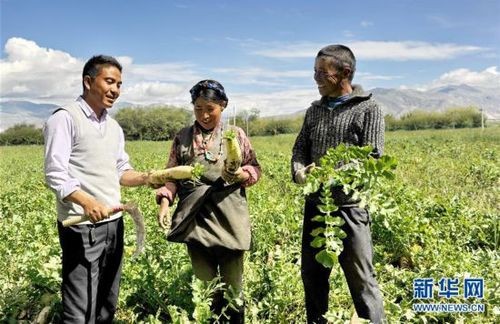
(132, 209)
(181, 172)
(140, 229)
(233, 151)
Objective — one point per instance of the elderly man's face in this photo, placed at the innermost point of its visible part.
(327, 77)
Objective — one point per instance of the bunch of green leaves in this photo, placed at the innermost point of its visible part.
(198, 170)
(230, 134)
(360, 176)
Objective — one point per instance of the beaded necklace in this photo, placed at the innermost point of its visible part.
(209, 156)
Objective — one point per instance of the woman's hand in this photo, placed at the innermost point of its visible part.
(164, 214)
(239, 176)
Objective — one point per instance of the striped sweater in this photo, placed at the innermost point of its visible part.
(357, 121)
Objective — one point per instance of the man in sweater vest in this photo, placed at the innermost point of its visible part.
(85, 164)
(343, 115)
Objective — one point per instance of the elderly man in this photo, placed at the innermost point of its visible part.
(343, 115)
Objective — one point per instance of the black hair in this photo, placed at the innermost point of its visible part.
(94, 64)
(210, 90)
(342, 57)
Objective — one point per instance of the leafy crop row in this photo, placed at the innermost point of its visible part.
(446, 187)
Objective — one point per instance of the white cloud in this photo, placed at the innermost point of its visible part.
(410, 50)
(366, 23)
(275, 103)
(348, 34)
(371, 50)
(370, 76)
(442, 21)
(30, 71)
(156, 92)
(263, 77)
(488, 78)
(34, 73)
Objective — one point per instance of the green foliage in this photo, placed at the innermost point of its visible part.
(360, 176)
(446, 189)
(198, 170)
(450, 118)
(229, 134)
(21, 134)
(153, 123)
(265, 126)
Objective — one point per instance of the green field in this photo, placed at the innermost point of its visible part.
(447, 190)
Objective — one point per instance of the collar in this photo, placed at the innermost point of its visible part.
(357, 95)
(198, 129)
(88, 111)
(334, 102)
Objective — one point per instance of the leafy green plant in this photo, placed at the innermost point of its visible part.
(447, 193)
(198, 170)
(360, 176)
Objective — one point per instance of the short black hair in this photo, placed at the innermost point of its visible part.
(209, 89)
(342, 56)
(95, 63)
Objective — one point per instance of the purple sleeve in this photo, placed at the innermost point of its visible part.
(249, 163)
(123, 161)
(59, 134)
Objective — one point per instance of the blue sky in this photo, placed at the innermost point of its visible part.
(261, 51)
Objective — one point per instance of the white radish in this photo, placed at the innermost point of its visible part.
(135, 213)
(233, 151)
(181, 172)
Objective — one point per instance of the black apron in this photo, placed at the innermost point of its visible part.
(209, 212)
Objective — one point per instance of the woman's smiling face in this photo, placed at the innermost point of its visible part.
(207, 113)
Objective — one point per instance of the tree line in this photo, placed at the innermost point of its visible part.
(451, 118)
(161, 123)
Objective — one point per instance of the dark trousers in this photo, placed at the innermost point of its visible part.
(209, 262)
(356, 263)
(91, 271)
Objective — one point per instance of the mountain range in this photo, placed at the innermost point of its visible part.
(400, 101)
(394, 101)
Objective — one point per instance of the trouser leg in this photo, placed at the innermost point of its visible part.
(207, 262)
(314, 275)
(84, 268)
(109, 278)
(231, 271)
(79, 275)
(356, 262)
(204, 266)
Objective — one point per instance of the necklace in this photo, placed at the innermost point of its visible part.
(209, 156)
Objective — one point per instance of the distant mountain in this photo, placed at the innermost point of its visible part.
(394, 101)
(16, 112)
(401, 101)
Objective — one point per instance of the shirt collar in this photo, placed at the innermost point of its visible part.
(89, 112)
(334, 102)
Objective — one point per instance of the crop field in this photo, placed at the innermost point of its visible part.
(447, 190)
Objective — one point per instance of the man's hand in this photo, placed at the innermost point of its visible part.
(239, 176)
(132, 178)
(164, 214)
(150, 182)
(301, 175)
(95, 210)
